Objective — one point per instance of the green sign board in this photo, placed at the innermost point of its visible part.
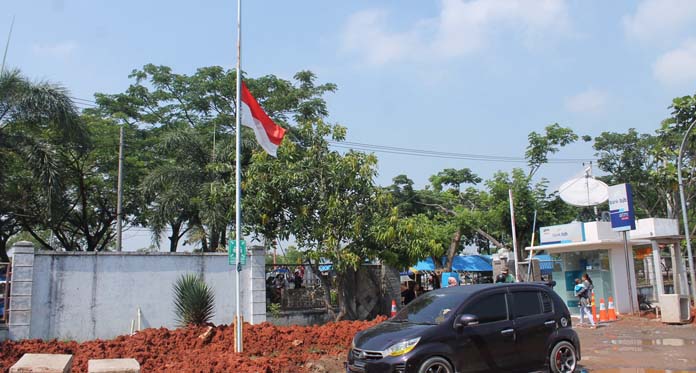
(232, 252)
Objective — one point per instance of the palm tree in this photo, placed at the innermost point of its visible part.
(31, 114)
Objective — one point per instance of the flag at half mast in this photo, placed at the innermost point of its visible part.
(268, 134)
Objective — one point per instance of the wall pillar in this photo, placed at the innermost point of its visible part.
(21, 290)
(657, 265)
(256, 261)
(679, 271)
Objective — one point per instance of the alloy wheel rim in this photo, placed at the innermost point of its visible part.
(437, 368)
(565, 359)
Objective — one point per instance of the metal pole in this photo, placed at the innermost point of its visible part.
(7, 45)
(628, 271)
(514, 234)
(684, 214)
(531, 252)
(238, 181)
(119, 203)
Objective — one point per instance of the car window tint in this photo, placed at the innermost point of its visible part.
(526, 303)
(489, 309)
(429, 308)
(546, 303)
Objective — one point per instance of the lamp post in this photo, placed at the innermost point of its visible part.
(684, 215)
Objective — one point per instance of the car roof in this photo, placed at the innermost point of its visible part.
(467, 290)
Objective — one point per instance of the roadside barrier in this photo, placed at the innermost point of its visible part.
(594, 309)
(393, 308)
(612, 311)
(602, 311)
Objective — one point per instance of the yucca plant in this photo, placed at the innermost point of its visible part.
(194, 301)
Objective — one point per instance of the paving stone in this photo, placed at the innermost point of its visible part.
(44, 363)
(113, 366)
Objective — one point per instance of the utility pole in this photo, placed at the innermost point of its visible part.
(685, 218)
(119, 203)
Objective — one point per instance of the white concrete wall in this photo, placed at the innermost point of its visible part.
(617, 262)
(82, 296)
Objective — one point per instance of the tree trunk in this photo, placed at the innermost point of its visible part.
(326, 284)
(174, 238)
(3, 249)
(452, 251)
(347, 283)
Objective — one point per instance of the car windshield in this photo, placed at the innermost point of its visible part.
(430, 308)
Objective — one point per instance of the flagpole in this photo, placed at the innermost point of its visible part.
(7, 45)
(238, 181)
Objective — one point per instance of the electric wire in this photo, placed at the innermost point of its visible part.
(351, 145)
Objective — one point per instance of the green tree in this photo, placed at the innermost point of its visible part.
(33, 117)
(189, 120)
(323, 198)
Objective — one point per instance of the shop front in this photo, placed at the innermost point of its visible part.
(595, 249)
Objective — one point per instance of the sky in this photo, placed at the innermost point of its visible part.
(456, 76)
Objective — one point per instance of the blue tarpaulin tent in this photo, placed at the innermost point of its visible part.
(545, 263)
(471, 263)
(463, 263)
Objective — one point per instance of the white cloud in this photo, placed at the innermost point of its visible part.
(589, 101)
(678, 66)
(655, 20)
(460, 28)
(364, 32)
(60, 50)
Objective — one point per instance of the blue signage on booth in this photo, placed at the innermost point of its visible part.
(623, 216)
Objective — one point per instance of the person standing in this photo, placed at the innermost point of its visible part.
(504, 276)
(582, 292)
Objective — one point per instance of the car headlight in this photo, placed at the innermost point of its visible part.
(401, 348)
(352, 343)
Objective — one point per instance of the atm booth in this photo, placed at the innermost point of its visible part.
(594, 248)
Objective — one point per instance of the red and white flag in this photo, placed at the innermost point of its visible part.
(268, 134)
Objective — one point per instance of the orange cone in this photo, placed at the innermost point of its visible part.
(594, 309)
(612, 311)
(393, 308)
(602, 311)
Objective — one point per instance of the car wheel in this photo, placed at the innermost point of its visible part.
(436, 365)
(563, 358)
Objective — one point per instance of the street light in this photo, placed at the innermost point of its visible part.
(684, 215)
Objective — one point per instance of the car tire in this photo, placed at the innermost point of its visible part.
(563, 358)
(436, 364)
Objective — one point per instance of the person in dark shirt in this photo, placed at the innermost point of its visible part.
(407, 293)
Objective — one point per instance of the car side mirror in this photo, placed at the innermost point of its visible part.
(466, 320)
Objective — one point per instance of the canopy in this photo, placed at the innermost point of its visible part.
(461, 263)
(545, 263)
(471, 263)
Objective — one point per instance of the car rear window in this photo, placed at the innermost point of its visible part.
(491, 308)
(526, 303)
(546, 302)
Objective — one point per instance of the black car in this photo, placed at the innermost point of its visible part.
(475, 328)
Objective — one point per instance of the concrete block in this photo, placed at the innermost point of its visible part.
(23, 273)
(18, 332)
(19, 317)
(20, 303)
(113, 366)
(20, 288)
(22, 260)
(44, 363)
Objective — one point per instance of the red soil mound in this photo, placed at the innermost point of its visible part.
(267, 348)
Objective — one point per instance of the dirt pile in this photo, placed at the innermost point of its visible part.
(267, 348)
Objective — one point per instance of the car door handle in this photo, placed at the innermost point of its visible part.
(507, 332)
(550, 323)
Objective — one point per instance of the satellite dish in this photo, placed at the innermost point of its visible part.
(584, 190)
